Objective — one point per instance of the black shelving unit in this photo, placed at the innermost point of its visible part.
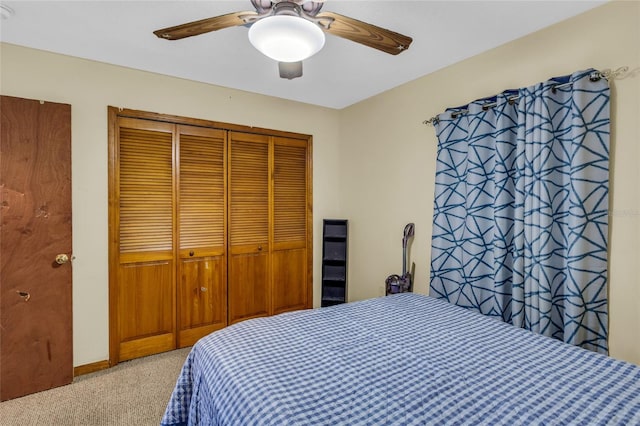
(334, 261)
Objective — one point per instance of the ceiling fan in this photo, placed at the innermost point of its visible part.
(290, 31)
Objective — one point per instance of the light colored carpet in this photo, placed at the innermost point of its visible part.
(131, 393)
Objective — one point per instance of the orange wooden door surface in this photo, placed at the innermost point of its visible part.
(145, 290)
(35, 291)
(290, 264)
(207, 227)
(202, 260)
(249, 285)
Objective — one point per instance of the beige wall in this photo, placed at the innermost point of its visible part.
(388, 156)
(90, 87)
(377, 152)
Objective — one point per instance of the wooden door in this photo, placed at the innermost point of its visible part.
(143, 227)
(202, 261)
(249, 288)
(207, 227)
(291, 226)
(35, 291)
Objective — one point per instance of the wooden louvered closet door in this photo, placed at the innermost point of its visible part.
(289, 251)
(249, 286)
(202, 278)
(208, 227)
(145, 290)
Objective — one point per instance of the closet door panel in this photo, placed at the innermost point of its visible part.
(145, 186)
(289, 278)
(290, 210)
(248, 292)
(202, 292)
(248, 207)
(202, 287)
(146, 296)
(146, 290)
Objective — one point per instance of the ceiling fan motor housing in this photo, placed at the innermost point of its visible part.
(287, 8)
(300, 7)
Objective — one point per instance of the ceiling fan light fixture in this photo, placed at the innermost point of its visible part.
(286, 38)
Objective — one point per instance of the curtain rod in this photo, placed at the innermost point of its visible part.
(594, 76)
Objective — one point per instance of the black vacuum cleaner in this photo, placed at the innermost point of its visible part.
(404, 283)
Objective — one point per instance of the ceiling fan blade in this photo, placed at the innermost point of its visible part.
(290, 70)
(203, 26)
(361, 32)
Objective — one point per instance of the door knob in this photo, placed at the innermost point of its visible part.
(62, 258)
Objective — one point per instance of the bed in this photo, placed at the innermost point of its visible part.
(406, 359)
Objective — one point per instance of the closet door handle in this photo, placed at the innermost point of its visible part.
(259, 248)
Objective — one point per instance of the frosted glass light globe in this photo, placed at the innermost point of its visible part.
(286, 38)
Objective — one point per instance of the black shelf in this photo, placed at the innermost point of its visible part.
(335, 229)
(334, 294)
(335, 250)
(334, 262)
(336, 273)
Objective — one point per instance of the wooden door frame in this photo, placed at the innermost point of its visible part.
(113, 114)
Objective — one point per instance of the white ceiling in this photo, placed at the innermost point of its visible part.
(342, 73)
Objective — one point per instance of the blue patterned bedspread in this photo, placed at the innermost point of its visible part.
(406, 359)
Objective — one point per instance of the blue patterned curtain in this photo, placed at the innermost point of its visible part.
(521, 208)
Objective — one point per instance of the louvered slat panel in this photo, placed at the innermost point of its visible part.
(145, 190)
(249, 195)
(202, 190)
(289, 193)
